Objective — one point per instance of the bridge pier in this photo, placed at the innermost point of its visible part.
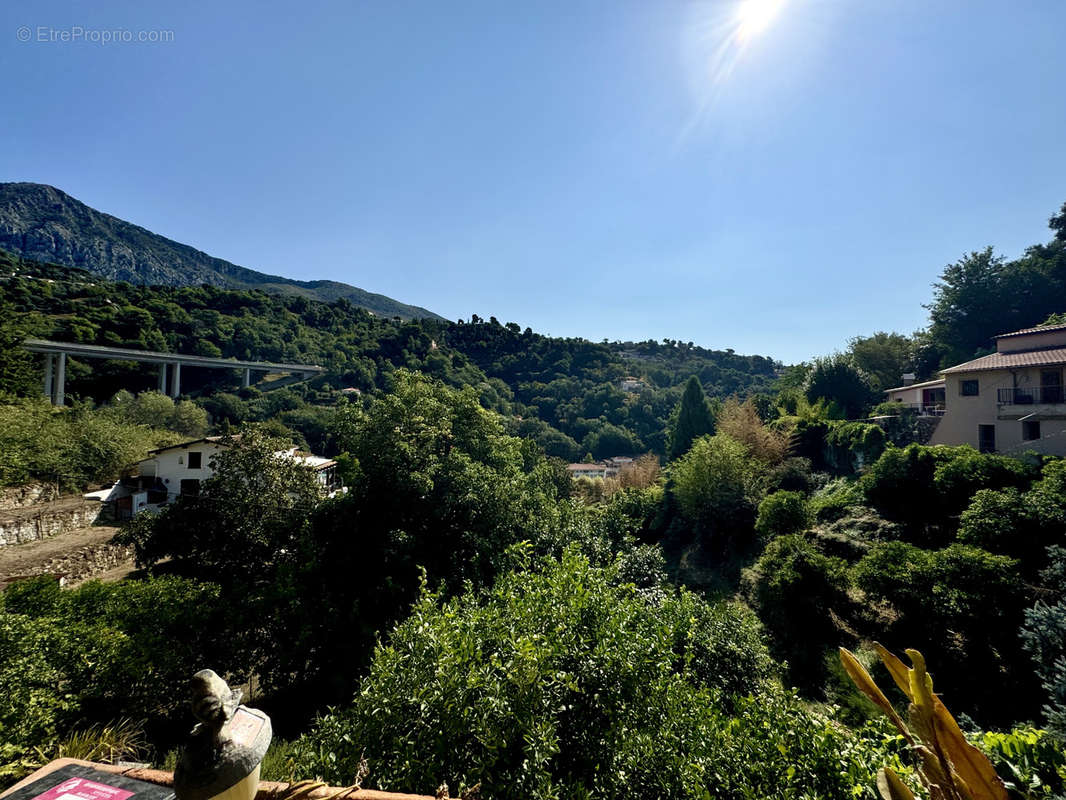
(49, 374)
(59, 398)
(55, 378)
(58, 384)
(175, 380)
(163, 378)
(246, 378)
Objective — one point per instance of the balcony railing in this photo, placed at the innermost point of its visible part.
(1030, 395)
(923, 409)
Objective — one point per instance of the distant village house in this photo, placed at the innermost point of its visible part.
(608, 468)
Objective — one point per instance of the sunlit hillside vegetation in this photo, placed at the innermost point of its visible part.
(565, 393)
(467, 613)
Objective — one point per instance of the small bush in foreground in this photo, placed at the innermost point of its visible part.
(565, 682)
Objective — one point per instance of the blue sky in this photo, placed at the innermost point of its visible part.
(596, 168)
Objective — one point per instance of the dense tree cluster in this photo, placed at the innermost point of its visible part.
(564, 393)
(79, 446)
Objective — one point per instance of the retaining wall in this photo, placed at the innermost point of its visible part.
(40, 522)
(31, 494)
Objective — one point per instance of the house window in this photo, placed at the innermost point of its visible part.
(1051, 386)
(968, 388)
(196, 460)
(1031, 430)
(986, 438)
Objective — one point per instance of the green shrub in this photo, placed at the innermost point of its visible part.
(1021, 524)
(1031, 762)
(791, 475)
(781, 513)
(852, 445)
(794, 586)
(100, 652)
(962, 607)
(833, 500)
(957, 479)
(566, 683)
(993, 520)
(927, 486)
(157, 410)
(900, 484)
(1044, 639)
(955, 584)
(718, 485)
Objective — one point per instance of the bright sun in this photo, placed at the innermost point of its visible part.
(755, 16)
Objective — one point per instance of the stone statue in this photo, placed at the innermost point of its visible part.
(225, 747)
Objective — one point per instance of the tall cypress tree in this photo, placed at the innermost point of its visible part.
(694, 419)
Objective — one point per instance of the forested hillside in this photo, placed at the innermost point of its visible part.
(565, 393)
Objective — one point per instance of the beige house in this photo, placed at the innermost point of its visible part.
(1012, 400)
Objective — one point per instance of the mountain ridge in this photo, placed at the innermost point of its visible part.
(44, 223)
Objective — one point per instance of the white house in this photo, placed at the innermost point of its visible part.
(587, 470)
(608, 468)
(180, 468)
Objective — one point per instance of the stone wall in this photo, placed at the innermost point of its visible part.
(28, 495)
(86, 562)
(926, 428)
(31, 524)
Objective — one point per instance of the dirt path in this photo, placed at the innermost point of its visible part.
(78, 554)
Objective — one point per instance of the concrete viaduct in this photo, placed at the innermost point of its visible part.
(55, 365)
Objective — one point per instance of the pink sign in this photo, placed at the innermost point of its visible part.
(244, 727)
(83, 789)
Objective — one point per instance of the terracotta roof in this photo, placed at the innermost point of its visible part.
(1025, 358)
(922, 385)
(1038, 329)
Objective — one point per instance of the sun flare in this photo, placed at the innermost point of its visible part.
(755, 16)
